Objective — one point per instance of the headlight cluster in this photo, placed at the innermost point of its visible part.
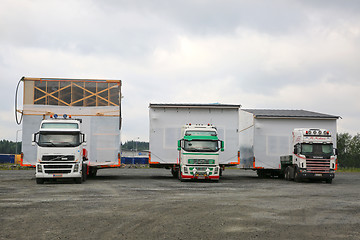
(39, 168)
(76, 167)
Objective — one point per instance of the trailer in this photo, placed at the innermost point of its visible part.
(167, 120)
(96, 102)
(266, 134)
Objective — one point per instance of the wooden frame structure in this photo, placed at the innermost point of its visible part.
(72, 92)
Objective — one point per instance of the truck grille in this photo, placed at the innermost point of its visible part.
(58, 158)
(318, 165)
(58, 171)
(57, 166)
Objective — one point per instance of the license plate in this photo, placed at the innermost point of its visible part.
(201, 177)
(57, 175)
(318, 175)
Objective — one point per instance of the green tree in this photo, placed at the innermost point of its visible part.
(135, 145)
(348, 150)
(9, 147)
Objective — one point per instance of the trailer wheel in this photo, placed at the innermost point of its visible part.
(40, 181)
(92, 172)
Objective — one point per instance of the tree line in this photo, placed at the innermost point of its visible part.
(348, 150)
(9, 147)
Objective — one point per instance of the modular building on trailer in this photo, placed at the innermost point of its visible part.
(265, 135)
(96, 102)
(166, 121)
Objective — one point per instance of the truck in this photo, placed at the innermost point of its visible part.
(96, 102)
(313, 156)
(266, 134)
(199, 152)
(60, 149)
(169, 123)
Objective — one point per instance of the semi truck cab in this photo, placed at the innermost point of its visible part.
(199, 152)
(60, 149)
(313, 157)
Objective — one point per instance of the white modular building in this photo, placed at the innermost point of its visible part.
(265, 134)
(166, 121)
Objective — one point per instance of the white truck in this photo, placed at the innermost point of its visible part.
(96, 102)
(313, 156)
(199, 151)
(266, 134)
(167, 121)
(60, 150)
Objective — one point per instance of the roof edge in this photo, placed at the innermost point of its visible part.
(193, 105)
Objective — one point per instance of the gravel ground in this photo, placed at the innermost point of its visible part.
(150, 204)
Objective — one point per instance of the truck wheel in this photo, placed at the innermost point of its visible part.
(174, 172)
(329, 180)
(287, 174)
(84, 174)
(78, 180)
(297, 176)
(179, 176)
(39, 180)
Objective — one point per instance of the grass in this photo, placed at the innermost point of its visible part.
(12, 166)
(348, 170)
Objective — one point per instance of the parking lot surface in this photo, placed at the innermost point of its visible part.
(131, 203)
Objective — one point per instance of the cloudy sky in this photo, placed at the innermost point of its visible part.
(279, 54)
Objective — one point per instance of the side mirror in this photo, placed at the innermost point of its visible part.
(222, 146)
(33, 137)
(336, 151)
(179, 145)
(295, 150)
(84, 139)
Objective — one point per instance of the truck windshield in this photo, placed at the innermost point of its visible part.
(200, 133)
(52, 139)
(317, 149)
(201, 146)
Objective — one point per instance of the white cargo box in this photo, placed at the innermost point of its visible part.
(166, 121)
(265, 135)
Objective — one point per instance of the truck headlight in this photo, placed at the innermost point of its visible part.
(185, 170)
(76, 167)
(39, 168)
(216, 170)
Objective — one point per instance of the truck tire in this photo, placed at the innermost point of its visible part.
(297, 177)
(84, 172)
(40, 181)
(179, 176)
(287, 174)
(174, 172)
(78, 180)
(329, 180)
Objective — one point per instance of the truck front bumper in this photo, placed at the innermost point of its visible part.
(192, 172)
(310, 175)
(68, 172)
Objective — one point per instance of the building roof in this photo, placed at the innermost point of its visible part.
(280, 113)
(190, 105)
